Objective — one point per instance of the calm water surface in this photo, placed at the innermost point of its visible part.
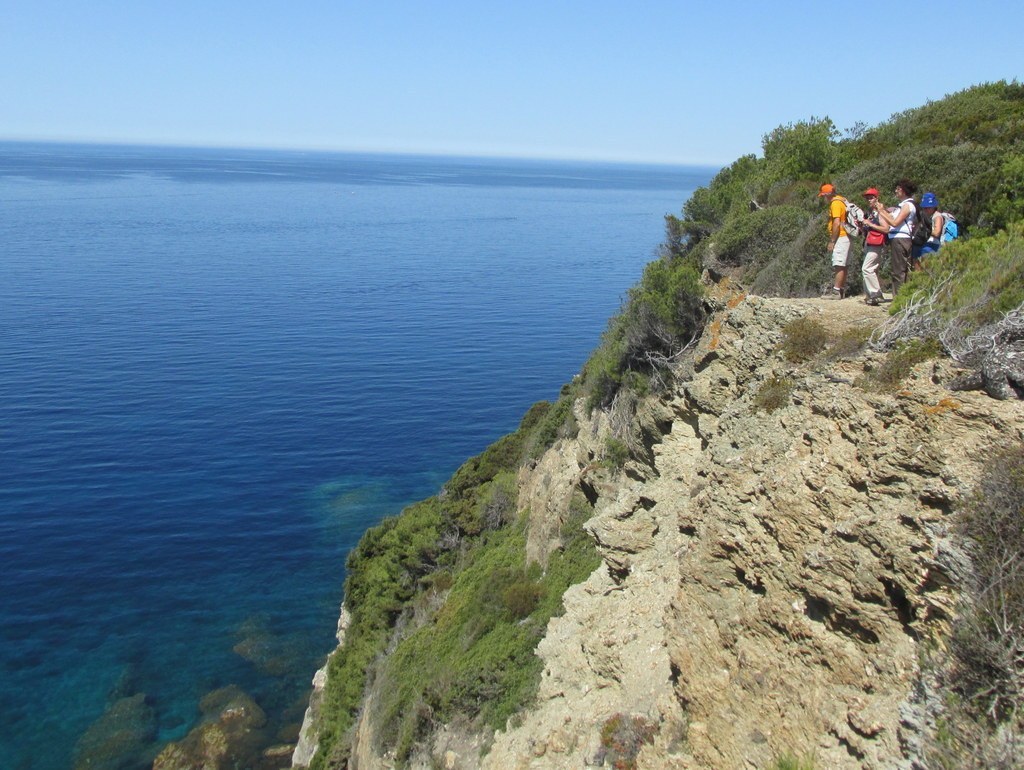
(218, 368)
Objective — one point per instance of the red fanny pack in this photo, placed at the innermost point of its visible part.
(874, 238)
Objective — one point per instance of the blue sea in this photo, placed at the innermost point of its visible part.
(218, 368)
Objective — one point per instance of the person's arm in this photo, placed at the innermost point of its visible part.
(938, 222)
(869, 225)
(892, 221)
(837, 229)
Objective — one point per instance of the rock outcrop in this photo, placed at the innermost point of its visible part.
(769, 576)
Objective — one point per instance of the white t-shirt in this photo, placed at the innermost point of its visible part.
(905, 229)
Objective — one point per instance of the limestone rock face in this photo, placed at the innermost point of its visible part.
(306, 747)
(767, 588)
(808, 574)
(769, 577)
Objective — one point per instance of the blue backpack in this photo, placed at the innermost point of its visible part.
(951, 230)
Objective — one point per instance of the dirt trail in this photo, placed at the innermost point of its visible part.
(840, 315)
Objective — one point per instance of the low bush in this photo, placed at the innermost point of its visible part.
(615, 452)
(973, 282)
(1007, 204)
(802, 268)
(983, 725)
(475, 657)
(806, 149)
(751, 239)
(708, 207)
(660, 317)
(992, 113)
(557, 421)
(773, 394)
(898, 363)
(622, 737)
(803, 339)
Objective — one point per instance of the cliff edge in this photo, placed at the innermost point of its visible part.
(776, 561)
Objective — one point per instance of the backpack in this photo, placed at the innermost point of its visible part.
(922, 231)
(951, 230)
(854, 217)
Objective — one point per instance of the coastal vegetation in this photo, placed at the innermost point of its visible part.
(446, 611)
(983, 674)
(760, 220)
(445, 589)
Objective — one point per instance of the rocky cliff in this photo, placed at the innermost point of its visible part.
(773, 572)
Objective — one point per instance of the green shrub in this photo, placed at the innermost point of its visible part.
(708, 207)
(773, 394)
(986, 647)
(1007, 204)
(992, 113)
(752, 239)
(496, 501)
(661, 315)
(974, 281)
(803, 339)
(802, 150)
(898, 363)
(557, 422)
(615, 452)
(521, 597)
(475, 657)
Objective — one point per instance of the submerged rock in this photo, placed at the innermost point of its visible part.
(121, 739)
(229, 736)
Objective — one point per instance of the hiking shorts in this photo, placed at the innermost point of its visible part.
(841, 252)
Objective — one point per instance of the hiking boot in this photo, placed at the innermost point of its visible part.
(872, 300)
(834, 294)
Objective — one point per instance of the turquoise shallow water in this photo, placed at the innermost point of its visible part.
(218, 368)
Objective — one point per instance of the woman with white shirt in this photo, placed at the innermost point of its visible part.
(901, 226)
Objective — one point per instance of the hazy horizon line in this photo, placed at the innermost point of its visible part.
(336, 151)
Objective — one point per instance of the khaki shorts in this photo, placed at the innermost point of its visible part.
(841, 252)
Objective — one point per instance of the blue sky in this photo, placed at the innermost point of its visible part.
(658, 81)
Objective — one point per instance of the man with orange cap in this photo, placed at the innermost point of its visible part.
(838, 240)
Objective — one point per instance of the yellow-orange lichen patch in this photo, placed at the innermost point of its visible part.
(714, 337)
(944, 405)
(736, 300)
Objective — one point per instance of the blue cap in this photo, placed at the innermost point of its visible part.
(928, 200)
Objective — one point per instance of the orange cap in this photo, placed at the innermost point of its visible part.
(826, 189)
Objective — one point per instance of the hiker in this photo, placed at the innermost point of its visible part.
(874, 241)
(838, 240)
(929, 230)
(901, 225)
